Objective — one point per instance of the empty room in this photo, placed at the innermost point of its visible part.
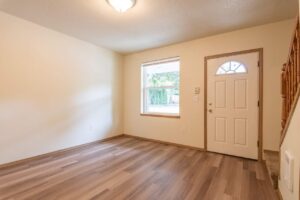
(149, 100)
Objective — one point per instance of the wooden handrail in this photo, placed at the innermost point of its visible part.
(290, 81)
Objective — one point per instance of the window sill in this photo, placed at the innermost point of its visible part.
(160, 115)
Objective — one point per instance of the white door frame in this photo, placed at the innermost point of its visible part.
(259, 51)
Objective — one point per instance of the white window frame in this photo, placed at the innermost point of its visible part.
(144, 89)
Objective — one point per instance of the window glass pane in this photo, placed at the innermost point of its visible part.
(160, 83)
(226, 66)
(162, 100)
(221, 71)
(241, 69)
(165, 74)
(234, 65)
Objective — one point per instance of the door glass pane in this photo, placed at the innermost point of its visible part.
(231, 67)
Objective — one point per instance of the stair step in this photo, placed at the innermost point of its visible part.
(272, 164)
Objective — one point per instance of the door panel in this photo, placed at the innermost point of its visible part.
(240, 131)
(220, 99)
(240, 94)
(220, 129)
(232, 96)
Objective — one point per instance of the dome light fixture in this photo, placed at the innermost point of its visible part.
(121, 5)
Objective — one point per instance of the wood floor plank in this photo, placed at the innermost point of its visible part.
(127, 168)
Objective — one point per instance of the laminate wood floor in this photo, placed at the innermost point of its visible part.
(128, 168)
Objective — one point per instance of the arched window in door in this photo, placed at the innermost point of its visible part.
(231, 67)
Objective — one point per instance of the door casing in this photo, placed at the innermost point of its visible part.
(260, 77)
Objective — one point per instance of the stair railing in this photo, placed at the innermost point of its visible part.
(290, 81)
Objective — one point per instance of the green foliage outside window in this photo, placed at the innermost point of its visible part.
(163, 96)
(163, 79)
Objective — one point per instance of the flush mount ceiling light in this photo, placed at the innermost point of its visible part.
(121, 5)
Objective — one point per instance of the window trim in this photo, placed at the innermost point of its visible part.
(160, 115)
(143, 90)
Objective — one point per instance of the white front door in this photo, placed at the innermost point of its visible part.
(232, 110)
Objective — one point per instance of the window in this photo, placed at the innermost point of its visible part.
(160, 87)
(232, 67)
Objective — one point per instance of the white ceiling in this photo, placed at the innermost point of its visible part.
(151, 23)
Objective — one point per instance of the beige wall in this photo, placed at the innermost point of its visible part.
(291, 144)
(189, 130)
(55, 91)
